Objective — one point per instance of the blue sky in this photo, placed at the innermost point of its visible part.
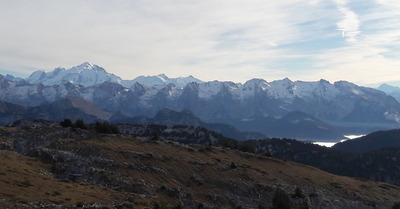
(309, 40)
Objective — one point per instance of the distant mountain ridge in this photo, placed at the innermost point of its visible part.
(256, 103)
(172, 118)
(163, 80)
(393, 91)
(88, 74)
(70, 107)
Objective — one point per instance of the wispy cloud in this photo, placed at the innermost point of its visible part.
(209, 39)
(349, 25)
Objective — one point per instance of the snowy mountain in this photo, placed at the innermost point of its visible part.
(88, 74)
(163, 80)
(12, 78)
(250, 106)
(85, 74)
(393, 91)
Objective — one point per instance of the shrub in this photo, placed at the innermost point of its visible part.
(281, 200)
(79, 204)
(298, 193)
(66, 123)
(80, 124)
(247, 146)
(106, 128)
(156, 136)
(56, 193)
(396, 205)
(26, 183)
(230, 143)
(233, 166)
(268, 153)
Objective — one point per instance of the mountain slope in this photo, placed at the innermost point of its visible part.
(378, 165)
(162, 173)
(297, 125)
(302, 126)
(26, 182)
(10, 112)
(71, 107)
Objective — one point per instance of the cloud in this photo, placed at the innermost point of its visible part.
(374, 57)
(349, 25)
(142, 37)
(209, 39)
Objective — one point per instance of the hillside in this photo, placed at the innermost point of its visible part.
(75, 167)
(372, 141)
(378, 165)
(298, 125)
(171, 118)
(70, 107)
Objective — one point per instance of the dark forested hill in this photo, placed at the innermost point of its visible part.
(380, 165)
(373, 141)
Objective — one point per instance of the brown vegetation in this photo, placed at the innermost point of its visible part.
(144, 172)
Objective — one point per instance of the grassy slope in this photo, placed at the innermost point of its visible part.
(160, 171)
(25, 180)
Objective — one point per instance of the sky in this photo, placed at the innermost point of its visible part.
(226, 40)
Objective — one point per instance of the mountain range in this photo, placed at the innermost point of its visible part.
(305, 110)
(393, 91)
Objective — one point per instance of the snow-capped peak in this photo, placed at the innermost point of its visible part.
(85, 74)
(163, 80)
(163, 77)
(86, 65)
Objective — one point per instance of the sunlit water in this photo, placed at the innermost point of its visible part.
(330, 144)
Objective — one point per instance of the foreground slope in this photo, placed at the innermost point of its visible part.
(26, 182)
(157, 172)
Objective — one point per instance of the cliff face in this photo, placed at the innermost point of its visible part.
(150, 171)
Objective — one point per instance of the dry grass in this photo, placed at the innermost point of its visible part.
(180, 162)
(26, 180)
(153, 171)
